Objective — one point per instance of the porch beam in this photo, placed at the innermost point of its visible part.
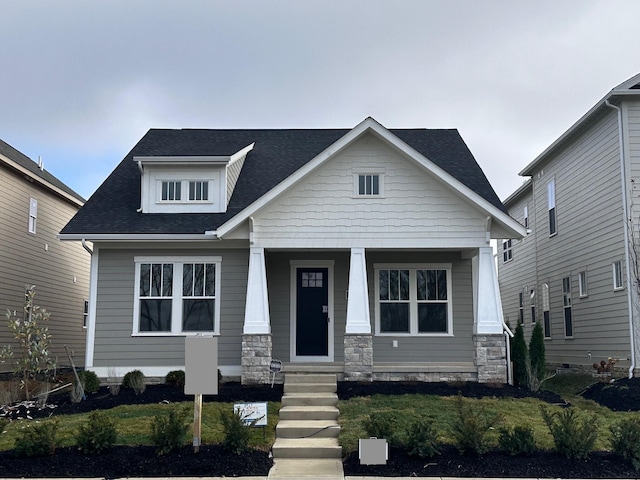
(487, 306)
(358, 318)
(256, 311)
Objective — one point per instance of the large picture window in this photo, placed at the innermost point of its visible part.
(413, 301)
(176, 295)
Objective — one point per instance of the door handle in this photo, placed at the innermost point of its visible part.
(328, 320)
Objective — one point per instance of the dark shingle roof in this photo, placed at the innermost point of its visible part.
(33, 168)
(277, 154)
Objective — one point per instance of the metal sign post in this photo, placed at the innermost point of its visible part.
(275, 367)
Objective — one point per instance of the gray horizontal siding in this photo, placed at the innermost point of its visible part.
(590, 237)
(114, 343)
(42, 260)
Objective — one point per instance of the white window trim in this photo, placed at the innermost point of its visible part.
(569, 295)
(413, 298)
(525, 216)
(184, 191)
(583, 290)
(356, 183)
(551, 204)
(33, 215)
(176, 298)
(617, 266)
(507, 248)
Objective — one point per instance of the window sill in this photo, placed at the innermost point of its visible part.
(409, 335)
(368, 197)
(178, 334)
(619, 289)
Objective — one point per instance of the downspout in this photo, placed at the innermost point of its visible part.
(623, 179)
(141, 180)
(84, 245)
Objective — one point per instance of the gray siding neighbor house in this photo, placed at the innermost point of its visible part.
(34, 206)
(576, 271)
(363, 252)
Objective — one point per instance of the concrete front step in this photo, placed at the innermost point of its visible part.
(310, 378)
(315, 399)
(316, 468)
(306, 448)
(308, 412)
(307, 429)
(309, 387)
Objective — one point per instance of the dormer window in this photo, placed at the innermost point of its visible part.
(189, 184)
(198, 191)
(171, 191)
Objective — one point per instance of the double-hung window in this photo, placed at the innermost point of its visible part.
(413, 300)
(566, 302)
(551, 203)
(521, 308)
(546, 314)
(617, 275)
(582, 284)
(177, 295)
(507, 251)
(33, 215)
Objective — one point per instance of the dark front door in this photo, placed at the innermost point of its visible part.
(312, 312)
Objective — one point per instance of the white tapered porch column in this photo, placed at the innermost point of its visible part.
(358, 342)
(256, 333)
(488, 339)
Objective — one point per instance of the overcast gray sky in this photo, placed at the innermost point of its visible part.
(82, 81)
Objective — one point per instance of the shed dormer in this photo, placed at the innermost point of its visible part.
(189, 184)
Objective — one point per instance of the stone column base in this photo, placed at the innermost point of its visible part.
(491, 358)
(358, 358)
(256, 357)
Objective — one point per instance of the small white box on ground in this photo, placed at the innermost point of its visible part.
(373, 451)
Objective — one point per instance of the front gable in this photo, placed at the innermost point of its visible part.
(373, 189)
(412, 207)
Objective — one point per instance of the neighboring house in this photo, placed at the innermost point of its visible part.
(576, 270)
(363, 252)
(34, 206)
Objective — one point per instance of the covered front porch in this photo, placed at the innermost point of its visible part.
(338, 311)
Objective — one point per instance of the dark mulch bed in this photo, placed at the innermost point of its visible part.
(622, 395)
(348, 390)
(212, 460)
(497, 465)
(140, 461)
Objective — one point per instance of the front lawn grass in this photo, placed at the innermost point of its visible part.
(509, 411)
(134, 425)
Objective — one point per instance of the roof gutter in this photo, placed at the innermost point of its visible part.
(625, 211)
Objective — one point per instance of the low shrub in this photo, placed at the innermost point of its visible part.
(422, 439)
(175, 378)
(382, 425)
(90, 381)
(625, 440)
(471, 426)
(38, 439)
(168, 432)
(135, 379)
(573, 437)
(98, 434)
(518, 441)
(236, 432)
